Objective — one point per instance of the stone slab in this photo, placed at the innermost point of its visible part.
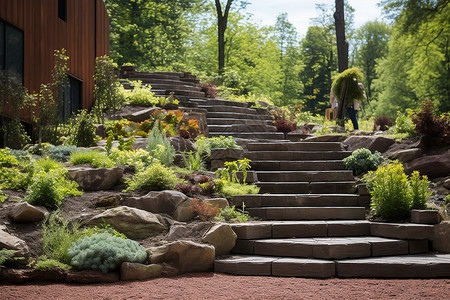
(343, 187)
(243, 247)
(312, 213)
(296, 146)
(305, 176)
(297, 155)
(411, 266)
(394, 247)
(402, 230)
(299, 229)
(247, 231)
(296, 267)
(285, 247)
(284, 187)
(348, 228)
(245, 265)
(425, 216)
(418, 246)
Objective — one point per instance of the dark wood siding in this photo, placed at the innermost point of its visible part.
(85, 35)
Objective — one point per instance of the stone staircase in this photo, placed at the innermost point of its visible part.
(314, 224)
(223, 117)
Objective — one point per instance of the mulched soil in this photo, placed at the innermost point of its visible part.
(221, 286)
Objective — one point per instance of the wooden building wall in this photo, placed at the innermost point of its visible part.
(84, 34)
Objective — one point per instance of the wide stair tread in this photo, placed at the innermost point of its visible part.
(309, 213)
(324, 247)
(403, 266)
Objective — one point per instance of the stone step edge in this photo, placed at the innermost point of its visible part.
(410, 266)
(408, 231)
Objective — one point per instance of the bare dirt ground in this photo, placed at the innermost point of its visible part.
(220, 286)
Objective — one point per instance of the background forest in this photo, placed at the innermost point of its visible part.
(405, 60)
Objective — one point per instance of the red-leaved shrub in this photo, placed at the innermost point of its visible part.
(204, 210)
(435, 129)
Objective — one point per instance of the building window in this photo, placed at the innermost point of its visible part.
(11, 52)
(70, 99)
(62, 9)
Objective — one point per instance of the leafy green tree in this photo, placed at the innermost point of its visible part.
(149, 34)
(371, 44)
(417, 67)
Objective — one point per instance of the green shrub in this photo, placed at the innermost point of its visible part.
(394, 194)
(159, 146)
(193, 161)
(7, 257)
(419, 190)
(404, 124)
(60, 153)
(94, 158)
(140, 158)
(232, 214)
(362, 160)
(48, 189)
(107, 90)
(45, 264)
(229, 189)
(82, 131)
(105, 252)
(155, 178)
(57, 237)
(47, 164)
(206, 144)
(14, 174)
(140, 95)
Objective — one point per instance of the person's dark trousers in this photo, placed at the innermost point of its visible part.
(352, 114)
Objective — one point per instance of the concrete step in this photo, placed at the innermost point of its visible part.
(275, 266)
(407, 266)
(228, 108)
(402, 230)
(308, 213)
(297, 146)
(179, 92)
(252, 135)
(156, 81)
(341, 187)
(143, 76)
(212, 101)
(294, 200)
(175, 87)
(404, 266)
(300, 229)
(323, 247)
(231, 121)
(305, 176)
(190, 80)
(233, 115)
(286, 165)
(241, 128)
(297, 155)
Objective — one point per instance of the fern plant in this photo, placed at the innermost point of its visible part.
(159, 146)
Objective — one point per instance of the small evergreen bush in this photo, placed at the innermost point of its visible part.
(155, 178)
(362, 160)
(159, 146)
(394, 194)
(105, 252)
(140, 158)
(82, 131)
(140, 95)
(45, 264)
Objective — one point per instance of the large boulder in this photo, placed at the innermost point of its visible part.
(186, 256)
(136, 271)
(11, 242)
(134, 223)
(55, 274)
(373, 143)
(194, 231)
(441, 237)
(173, 203)
(142, 115)
(222, 237)
(407, 155)
(181, 144)
(27, 213)
(433, 166)
(95, 179)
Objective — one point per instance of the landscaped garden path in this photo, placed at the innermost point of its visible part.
(221, 286)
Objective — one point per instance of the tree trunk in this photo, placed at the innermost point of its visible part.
(222, 23)
(342, 45)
